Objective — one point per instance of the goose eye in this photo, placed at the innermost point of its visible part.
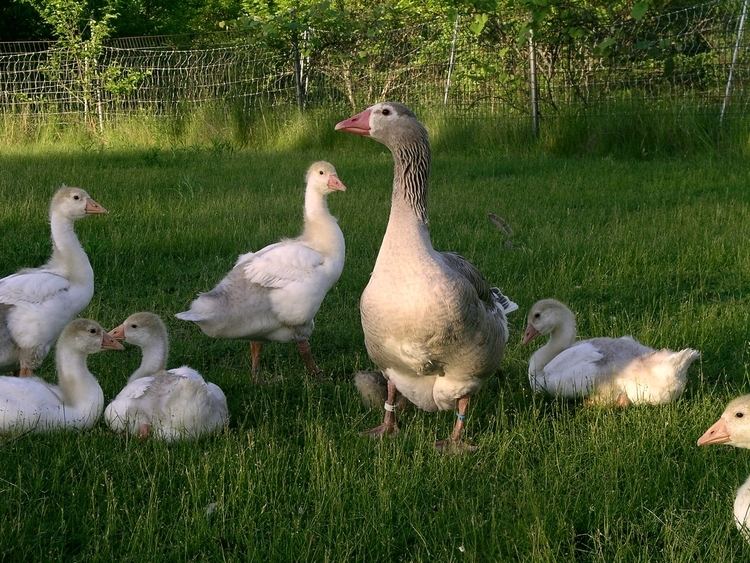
(320, 172)
(386, 111)
(537, 315)
(76, 197)
(92, 330)
(134, 325)
(739, 414)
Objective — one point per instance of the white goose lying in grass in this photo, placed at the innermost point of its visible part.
(31, 404)
(167, 404)
(37, 303)
(605, 370)
(274, 294)
(733, 429)
(432, 323)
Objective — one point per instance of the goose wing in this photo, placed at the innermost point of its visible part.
(470, 273)
(32, 287)
(573, 372)
(280, 264)
(492, 297)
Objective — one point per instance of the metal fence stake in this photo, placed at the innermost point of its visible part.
(728, 90)
(451, 62)
(532, 83)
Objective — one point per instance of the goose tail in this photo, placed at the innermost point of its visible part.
(190, 316)
(502, 301)
(683, 359)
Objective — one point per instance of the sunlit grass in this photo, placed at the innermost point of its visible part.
(656, 249)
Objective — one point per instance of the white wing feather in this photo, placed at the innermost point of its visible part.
(573, 372)
(282, 263)
(31, 288)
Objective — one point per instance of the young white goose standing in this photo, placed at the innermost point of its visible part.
(432, 324)
(733, 429)
(167, 404)
(274, 294)
(37, 303)
(32, 404)
(618, 371)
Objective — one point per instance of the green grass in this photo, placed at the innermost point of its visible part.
(653, 248)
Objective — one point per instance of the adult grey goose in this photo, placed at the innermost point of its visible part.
(432, 324)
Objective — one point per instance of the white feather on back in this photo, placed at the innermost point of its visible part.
(279, 264)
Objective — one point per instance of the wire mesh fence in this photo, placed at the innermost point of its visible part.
(690, 60)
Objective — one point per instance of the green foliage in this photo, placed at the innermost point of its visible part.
(81, 37)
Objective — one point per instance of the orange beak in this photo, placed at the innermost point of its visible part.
(93, 208)
(109, 343)
(118, 333)
(530, 334)
(335, 184)
(717, 434)
(358, 124)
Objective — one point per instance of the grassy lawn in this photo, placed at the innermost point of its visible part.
(653, 248)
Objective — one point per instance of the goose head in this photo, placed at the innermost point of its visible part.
(545, 317)
(87, 337)
(140, 329)
(322, 178)
(733, 428)
(390, 123)
(74, 203)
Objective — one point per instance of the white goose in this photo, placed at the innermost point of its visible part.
(733, 429)
(37, 303)
(432, 324)
(31, 404)
(618, 371)
(167, 404)
(274, 294)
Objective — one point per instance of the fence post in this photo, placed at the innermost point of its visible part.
(297, 62)
(451, 61)
(728, 89)
(532, 83)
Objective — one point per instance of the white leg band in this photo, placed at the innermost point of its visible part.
(389, 407)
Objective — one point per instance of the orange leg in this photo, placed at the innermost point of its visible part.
(389, 425)
(304, 351)
(623, 401)
(25, 372)
(144, 431)
(255, 349)
(454, 444)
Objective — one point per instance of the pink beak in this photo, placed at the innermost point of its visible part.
(335, 184)
(118, 333)
(93, 208)
(717, 434)
(109, 343)
(358, 124)
(530, 334)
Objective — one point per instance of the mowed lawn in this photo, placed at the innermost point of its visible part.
(657, 249)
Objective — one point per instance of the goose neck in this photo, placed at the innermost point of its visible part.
(561, 338)
(316, 208)
(410, 177)
(78, 386)
(153, 360)
(321, 230)
(67, 252)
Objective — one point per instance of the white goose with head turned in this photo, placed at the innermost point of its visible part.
(618, 371)
(733, 429)
(167, 404)
(32, 404)
(274, 294)
(432, 324)
(37, 303)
